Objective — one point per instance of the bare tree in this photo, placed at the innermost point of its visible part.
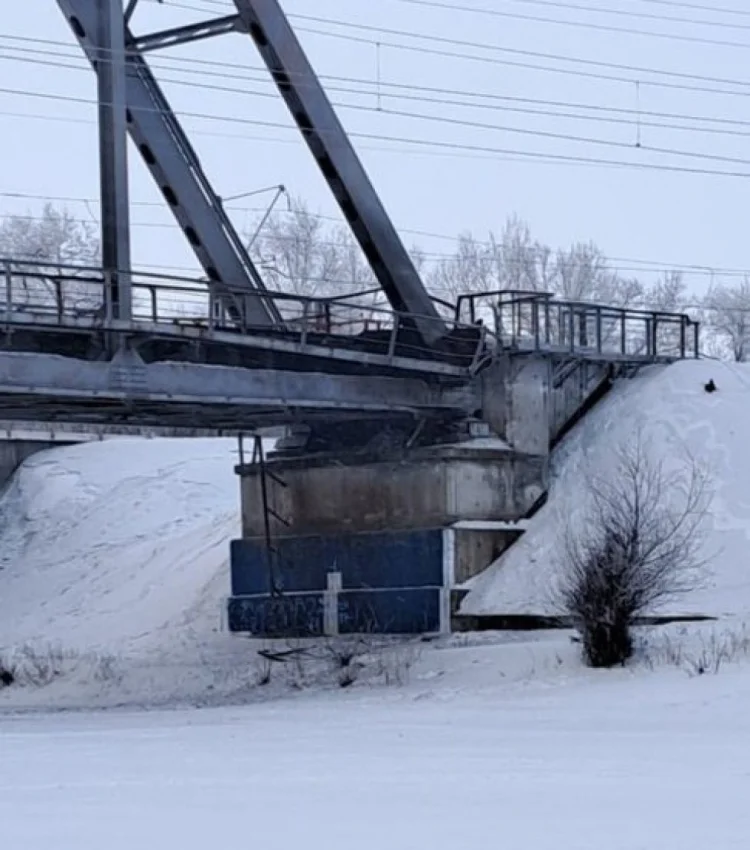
(50, 243)
(470, 269)
(514, 261)
(296, 252)
(300, 254)
(638, 547)
(668, 294)
(582, 273)
(520, 262)
(727, 316)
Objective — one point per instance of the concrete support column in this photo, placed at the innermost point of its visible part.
(516, 402)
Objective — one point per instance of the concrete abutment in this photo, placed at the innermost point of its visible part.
(357, 543)
(358, 540)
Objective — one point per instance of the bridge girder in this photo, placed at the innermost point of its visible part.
(49, 387)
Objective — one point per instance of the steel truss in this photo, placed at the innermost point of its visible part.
(131, 102)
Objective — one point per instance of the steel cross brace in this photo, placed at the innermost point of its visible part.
(188, 33)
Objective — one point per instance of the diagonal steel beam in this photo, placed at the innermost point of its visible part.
(325, 136)
(175, 167)
(129, 10)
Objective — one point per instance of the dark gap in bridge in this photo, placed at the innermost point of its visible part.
(170, 195)
(192, 236)
(281, 78)
(147, 154)
(256, 31)
(77, 27)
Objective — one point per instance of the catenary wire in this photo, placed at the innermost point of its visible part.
(572, 159)
(634, 72)
(456, 122)
(590, 25)
(619, 115)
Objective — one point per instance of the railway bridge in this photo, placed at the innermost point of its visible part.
(420, 430)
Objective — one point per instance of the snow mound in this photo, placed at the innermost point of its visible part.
(121, 545)
(674, 413)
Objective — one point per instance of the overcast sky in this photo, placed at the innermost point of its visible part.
(49, 146)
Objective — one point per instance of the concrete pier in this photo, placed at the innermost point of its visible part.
(358, 543)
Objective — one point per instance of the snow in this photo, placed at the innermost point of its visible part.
(105, 544)
(115, 554)
(674, 412)
(622, 760)
(114, 567)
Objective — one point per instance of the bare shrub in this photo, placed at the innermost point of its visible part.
(263, 671)
(385, 659)
(639, 548)
(395, 662)
(344, 660)
(700, 653)
(39, 666)
(346, 655)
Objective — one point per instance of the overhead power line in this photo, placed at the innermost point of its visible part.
(629, 76)
(559, 136)
(433, 95)
(628, 73)
(423, 143)
(571, 6)
(456, 122)
(630, 13)
(721, 10)
(600, 27)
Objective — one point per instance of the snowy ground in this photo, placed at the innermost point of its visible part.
(115, 554)
(109, 544)
(672, 410)
(626, 761)
(113, 571)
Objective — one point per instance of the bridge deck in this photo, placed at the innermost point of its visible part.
(182, 362)
(353, 330)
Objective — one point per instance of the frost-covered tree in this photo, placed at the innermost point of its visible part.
(513, 260)
(40, 250)
(53, 239)
(297, 254)
(470, 269)
(726, 314)
(302, 255)
(668, 294)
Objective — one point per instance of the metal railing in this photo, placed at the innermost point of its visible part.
(542, 322)
(76, 296)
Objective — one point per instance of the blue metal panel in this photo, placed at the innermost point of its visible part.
(248, 565)
(402, 611)
(296, 615)
(395, 612)
(372, 560)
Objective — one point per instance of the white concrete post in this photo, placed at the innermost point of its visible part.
(449, 579)
(331, 605)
